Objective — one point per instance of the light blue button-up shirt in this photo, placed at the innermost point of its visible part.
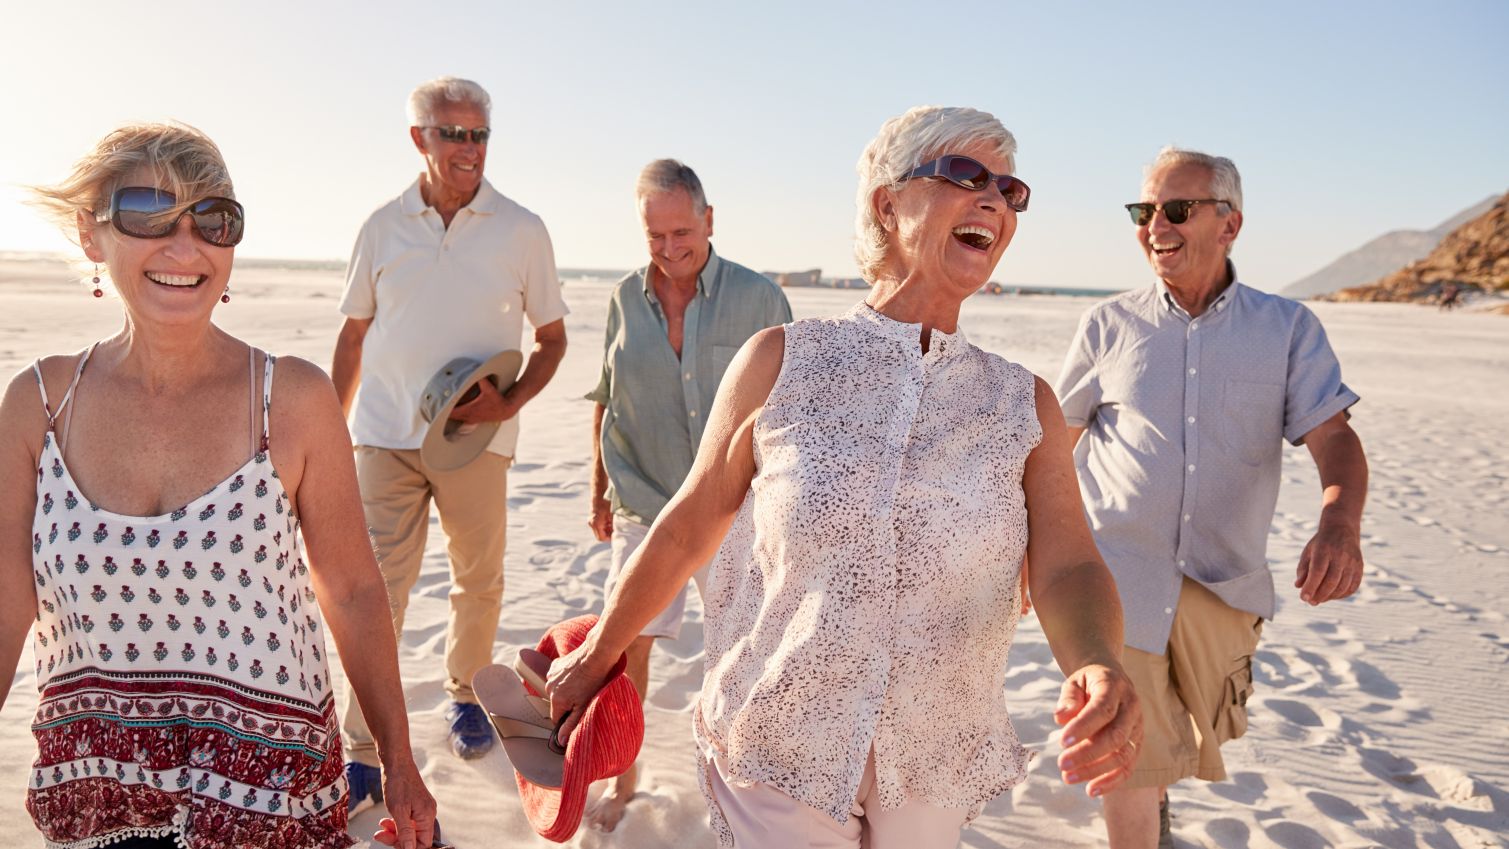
(1185, 419)
(656, 403)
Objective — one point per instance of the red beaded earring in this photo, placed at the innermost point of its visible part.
(226, 297)
(98, 292)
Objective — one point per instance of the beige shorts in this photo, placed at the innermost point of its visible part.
(1194, 697)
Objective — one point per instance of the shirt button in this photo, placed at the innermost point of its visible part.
(1191, 468)
(1168, 610)
(1186, 517)
(1191, 371)
(1191, 419)
(687, 376)
(692, 413)
(1193, 325)
(1181, 564)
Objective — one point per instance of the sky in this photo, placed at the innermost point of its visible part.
(1347, 119)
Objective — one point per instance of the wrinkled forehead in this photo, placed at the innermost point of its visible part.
(1182, 181)
(458, 113)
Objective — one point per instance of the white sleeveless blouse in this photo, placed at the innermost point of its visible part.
(867, 592)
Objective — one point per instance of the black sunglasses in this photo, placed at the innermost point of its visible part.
(1176, 211)
(458, 134)
(965, 172)
(147, 213)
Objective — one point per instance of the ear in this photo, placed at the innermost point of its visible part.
(883, 203)
(1231, 226)
(709, 213)
(87, 229)
(418, 136)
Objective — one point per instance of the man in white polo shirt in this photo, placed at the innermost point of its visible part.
(450, 268)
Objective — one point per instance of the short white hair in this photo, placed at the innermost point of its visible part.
(671, 175)
(904, 142)
(1225, 182)
(424, 100)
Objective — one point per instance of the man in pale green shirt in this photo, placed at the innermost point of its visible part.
(673, 328)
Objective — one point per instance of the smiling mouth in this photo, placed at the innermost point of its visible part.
(177, 281)
(976, 238)
(1165, 250)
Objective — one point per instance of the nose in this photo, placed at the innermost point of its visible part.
(183, 240)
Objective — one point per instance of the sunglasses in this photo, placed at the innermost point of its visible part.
(458, 134)
(967, 173)
(1176, 211)
(147, 213)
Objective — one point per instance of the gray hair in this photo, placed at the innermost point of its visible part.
(903, 143)
(424, 100)
(1225, 182)
(669, 175)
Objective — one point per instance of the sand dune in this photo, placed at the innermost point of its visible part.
(1379, 721)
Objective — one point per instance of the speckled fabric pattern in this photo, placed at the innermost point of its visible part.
(866, 595)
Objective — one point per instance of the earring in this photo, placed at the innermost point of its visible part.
(226, 297)
(98, 292)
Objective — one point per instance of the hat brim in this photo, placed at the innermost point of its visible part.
(445, 447)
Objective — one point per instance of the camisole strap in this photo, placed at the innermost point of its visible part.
(263, 443)
(68, 396)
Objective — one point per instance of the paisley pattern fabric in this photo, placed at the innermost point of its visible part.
(867, 593)
(181, 664)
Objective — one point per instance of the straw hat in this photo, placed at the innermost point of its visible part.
(552, 778)
(449, 445)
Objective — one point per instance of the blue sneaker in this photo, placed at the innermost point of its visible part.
(364, 784)
(471, 733)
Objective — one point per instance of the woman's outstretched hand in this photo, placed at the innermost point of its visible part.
(1102, 728)
(412, 824)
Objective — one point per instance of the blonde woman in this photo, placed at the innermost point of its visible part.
(156, 486)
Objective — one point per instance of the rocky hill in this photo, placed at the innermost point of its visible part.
(1385, 254)
(1474, 258)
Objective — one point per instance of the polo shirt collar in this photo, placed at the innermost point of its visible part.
(486, 201)
(707, 280)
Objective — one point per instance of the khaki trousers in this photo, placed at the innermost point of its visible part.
(396, 489)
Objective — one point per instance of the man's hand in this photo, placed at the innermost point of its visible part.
(601, 522)
(1103, 730)
(490, 405)
(1331, 565)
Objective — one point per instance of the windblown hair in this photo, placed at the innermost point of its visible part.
(669, 175)
(180, 159)
(424, 100)
(1225, 182)
(903, 143)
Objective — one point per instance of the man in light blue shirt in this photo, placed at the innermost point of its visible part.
(1184, 393)
(673, 327)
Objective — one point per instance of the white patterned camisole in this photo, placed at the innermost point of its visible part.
(181, 665)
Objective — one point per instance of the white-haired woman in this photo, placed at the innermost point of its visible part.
(879, 480)
(155, 488)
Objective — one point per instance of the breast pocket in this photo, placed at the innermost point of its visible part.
(1254, 419)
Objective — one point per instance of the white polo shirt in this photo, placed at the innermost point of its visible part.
(436, 293)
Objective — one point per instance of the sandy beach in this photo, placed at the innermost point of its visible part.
(1379, 721)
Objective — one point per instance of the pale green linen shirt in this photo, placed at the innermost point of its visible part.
(656, 404)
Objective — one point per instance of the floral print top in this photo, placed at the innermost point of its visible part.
(182, 670)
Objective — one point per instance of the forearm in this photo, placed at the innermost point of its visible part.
(345, 371)
(360, 625)
(1343, 479)
(12, 640)
(599, 472)
(1081, 615)
(544, 359)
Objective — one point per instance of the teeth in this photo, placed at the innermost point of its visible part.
(173, 279)
(976, 231)
(1158, 247)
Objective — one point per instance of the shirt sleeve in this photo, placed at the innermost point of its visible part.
(779, 311)
(543, 302)
(601, 392)
(1313, 392)
(360, 298)
(1078, 386)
